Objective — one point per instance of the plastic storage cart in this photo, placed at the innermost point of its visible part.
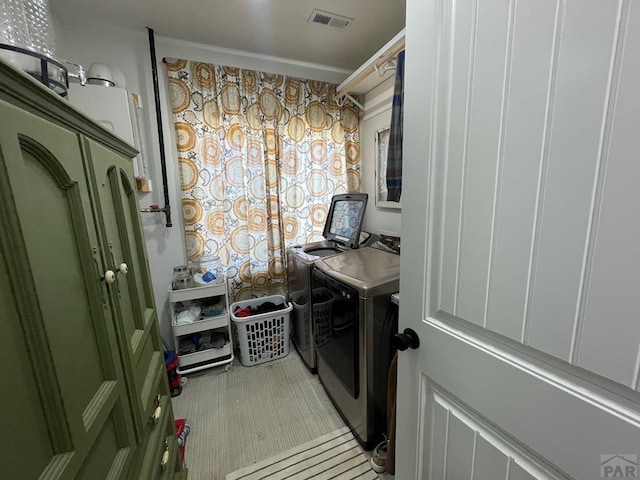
(195, 342)
(264, 336)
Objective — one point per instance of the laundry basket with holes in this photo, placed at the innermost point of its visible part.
(262, 328)
(300, 321)
(322, 301)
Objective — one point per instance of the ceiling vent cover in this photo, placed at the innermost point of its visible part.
(327, 18)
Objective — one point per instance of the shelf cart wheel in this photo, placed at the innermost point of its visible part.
(183, 380)
(228, 367)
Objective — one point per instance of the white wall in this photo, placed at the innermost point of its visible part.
(377, 115)
(129, 51)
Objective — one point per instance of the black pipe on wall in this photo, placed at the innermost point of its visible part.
(163, 160)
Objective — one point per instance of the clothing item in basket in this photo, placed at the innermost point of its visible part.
(213, 309)
(242, 312)
(189, 315)
(212, 340)
(186, 346)
(201, 341)
(265, 307)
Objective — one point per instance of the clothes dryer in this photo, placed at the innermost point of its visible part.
(342, 233)
(354, 322)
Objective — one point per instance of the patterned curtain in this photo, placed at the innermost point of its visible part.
(260, 157)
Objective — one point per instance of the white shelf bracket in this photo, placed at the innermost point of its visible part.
(354, 101)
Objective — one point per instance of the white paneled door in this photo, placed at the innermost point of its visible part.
(521, 240)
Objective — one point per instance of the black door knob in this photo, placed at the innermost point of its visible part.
(407, 339)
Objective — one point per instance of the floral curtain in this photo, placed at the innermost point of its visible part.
(260, 157)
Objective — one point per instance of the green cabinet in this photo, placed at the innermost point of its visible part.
(85, 389)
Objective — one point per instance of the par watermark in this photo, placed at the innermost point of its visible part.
(617, 465)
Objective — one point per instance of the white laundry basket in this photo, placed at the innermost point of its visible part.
(265, 336)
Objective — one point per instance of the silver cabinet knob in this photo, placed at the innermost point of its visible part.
(123, 268)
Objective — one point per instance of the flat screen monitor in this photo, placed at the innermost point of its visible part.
(344, 221)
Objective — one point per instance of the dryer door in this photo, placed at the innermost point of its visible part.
(335, 309)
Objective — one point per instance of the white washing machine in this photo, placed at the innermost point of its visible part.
(342, 233)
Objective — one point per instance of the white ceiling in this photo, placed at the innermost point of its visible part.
(269, 27)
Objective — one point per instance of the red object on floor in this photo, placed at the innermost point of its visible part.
(171, 364)
(182, 432)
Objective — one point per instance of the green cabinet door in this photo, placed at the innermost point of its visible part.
(131, 294)
(70, 416)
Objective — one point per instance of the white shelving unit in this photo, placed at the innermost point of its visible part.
(186, 333)
(374, 71)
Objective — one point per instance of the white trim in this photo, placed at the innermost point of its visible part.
(490, 435)
(243, 53)
(554, 378)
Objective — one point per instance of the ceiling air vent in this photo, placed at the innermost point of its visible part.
(327, 18)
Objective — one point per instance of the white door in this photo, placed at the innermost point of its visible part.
(521, 240)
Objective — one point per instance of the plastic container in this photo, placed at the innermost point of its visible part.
(26, 24)
(182, 277)
(262, 337)
(206, 270)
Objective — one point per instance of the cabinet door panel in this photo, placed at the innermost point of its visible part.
(27, 426)
(131, 294)
(51, 248)
(159, 439)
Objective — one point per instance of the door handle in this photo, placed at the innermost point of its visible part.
(407, 339)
